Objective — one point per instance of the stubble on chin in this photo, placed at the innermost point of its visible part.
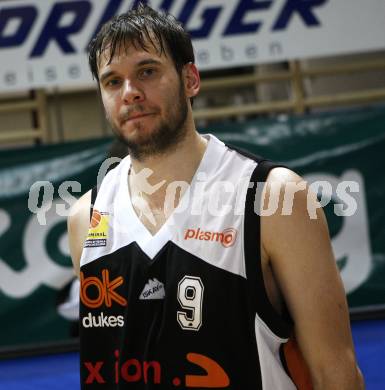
(164, 137)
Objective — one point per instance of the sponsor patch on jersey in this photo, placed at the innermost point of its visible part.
(98, 230)
(227, 237)
(102, 321)
(153, 290)
(97, 291)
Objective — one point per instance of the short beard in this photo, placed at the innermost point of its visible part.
(162, 140)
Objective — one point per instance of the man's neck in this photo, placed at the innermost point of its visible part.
(179, 164)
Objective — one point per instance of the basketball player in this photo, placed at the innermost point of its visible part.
(196, 289)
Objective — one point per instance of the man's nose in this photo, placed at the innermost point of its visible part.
(131, 93)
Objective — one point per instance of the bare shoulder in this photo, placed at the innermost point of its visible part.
(78, 223)
(285, 178)
(283, 174)
(296, 204)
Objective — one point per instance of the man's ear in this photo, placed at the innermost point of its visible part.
(192, 80)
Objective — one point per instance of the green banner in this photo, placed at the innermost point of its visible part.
(35, 265)
(34, 258)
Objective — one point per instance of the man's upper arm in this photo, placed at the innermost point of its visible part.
(301, 256)
(78, 223)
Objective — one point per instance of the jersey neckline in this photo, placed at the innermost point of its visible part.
(152, 244)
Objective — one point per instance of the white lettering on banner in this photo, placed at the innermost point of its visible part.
(40, 269)
(5, 221)
(353, 240)
(43, 43)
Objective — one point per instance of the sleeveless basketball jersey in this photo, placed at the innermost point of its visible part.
(187, 307)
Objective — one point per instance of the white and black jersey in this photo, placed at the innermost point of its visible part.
(185, 308)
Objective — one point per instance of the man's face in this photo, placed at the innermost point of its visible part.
(144, 99)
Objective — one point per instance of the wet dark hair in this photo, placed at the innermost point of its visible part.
(141, 27)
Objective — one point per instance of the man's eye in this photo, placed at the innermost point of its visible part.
(112, 83)
(147, 72)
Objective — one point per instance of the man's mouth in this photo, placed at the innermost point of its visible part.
(132, 117)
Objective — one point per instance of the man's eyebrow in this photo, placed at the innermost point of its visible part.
(149, 61)
(106, 75)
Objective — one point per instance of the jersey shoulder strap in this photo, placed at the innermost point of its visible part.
(259, 300)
